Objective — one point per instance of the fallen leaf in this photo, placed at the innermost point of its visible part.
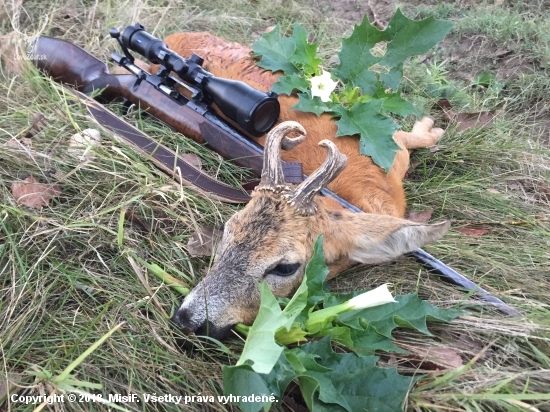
(38, 123)
(473, 231)
(202, 243)
(436, 358)
(32, 194)
(17, 144)
(192, 159)
(10, 385)
(420, 217)
(465, 342)
(80, 144)
(434, 149)
(465, 121)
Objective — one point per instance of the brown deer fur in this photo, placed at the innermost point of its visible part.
(269, 232)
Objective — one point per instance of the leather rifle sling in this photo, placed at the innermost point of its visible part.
(164, 158)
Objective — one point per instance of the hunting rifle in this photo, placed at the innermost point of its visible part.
(192, 115)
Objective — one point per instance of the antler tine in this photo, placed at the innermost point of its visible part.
(272, 172)
(302, 197)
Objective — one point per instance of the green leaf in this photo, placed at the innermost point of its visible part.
(405, 38)
(290, 54)
(485, 79)
(294, 335)
(340, 334)
(408, 311)
(356, 58)
(397, 105)
(412, 38)
(393, 78)
(375, 130)
(367, 341)
(305, 53)
(318, 376)
(260, 349)
(275, 52)
(316, 273)
(290, 82)
(488, 80)
(354, 383)
(242, 380)
(314, 105)
(371, 388)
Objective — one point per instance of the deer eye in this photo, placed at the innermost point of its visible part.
(284, 269)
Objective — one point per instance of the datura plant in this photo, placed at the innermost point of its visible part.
(363, 89)
(316, 320)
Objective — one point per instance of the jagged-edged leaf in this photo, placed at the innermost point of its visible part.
(295, 334)
(397, 105)
(408, 311)
(375, 130)
(340, 334)
(305, 54)
(372, 388)
(353, 383)
(290, 82)
(412, 38)
(356, 58)
(314, 105)
(319, 363)
(404, 37)
(367, 341)
(275, 52)
(316, 273)
(242, 380)
(393, 78)
(261, 351)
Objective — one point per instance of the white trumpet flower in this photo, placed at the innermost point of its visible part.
(319, 319)
(322, 86)
(379, 296)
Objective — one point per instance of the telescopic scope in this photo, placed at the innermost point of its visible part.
(255, 111)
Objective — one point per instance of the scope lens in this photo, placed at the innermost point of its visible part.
(265, 116)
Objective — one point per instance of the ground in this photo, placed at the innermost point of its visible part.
(70, 272)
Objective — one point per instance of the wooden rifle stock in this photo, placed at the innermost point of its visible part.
(67, 63)
(70, 64)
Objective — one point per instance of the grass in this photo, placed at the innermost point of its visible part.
(67, 275)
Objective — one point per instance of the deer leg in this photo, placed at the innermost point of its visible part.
(422, 135)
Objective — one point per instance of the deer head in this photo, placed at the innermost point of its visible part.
(272, 240)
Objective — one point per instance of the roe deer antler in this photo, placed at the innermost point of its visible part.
(302, 197)
(272, 173)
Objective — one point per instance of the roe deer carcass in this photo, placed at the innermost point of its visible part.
(271, 239)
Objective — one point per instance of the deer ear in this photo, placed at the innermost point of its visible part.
(378, 238)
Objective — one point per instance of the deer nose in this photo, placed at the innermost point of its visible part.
(182, 319)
